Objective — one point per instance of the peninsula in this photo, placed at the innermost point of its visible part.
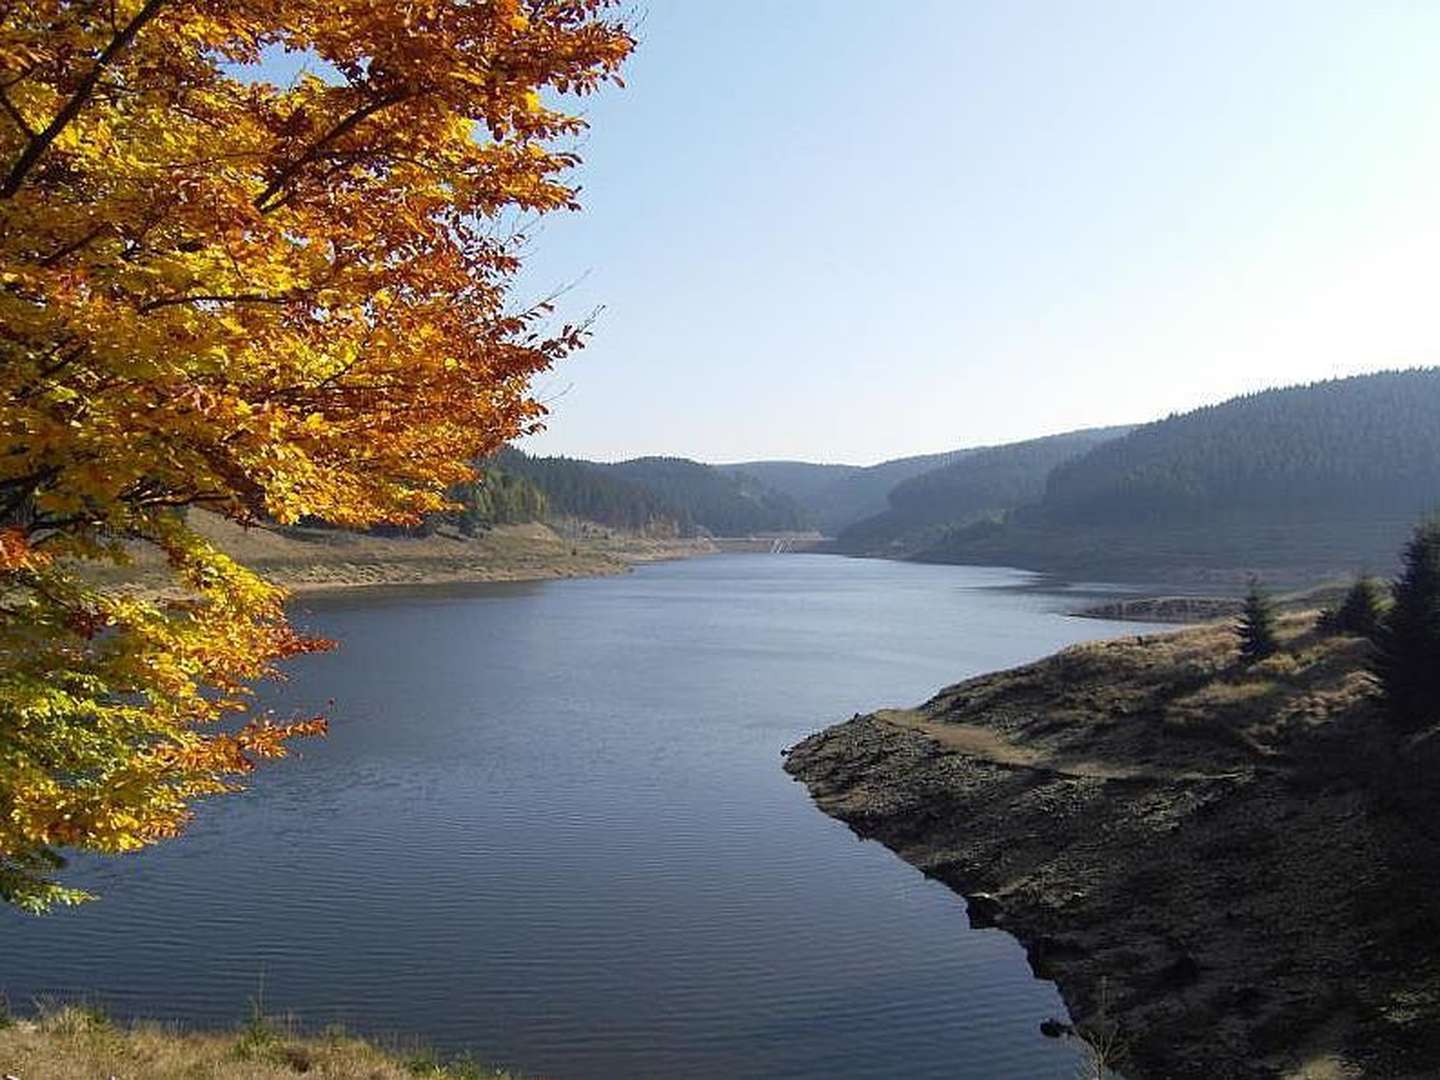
(1229, 869)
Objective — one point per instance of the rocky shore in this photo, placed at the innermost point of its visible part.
(1165, 609)
(1230, 869)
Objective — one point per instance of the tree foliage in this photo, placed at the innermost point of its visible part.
(495, 497)
(269, 301)
(1361, 612)
(1407, 648)
(1257, 624)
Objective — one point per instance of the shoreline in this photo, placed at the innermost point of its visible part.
(308, 561)
(1228, 867)
(316, 580)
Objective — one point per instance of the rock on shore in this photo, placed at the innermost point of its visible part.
(1234, 867)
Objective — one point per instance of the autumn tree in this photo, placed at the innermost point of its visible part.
(267, 301)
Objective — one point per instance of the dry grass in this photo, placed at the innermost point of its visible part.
(78, 1044)
(1169, 702)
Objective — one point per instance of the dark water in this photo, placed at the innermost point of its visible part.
(550, 827)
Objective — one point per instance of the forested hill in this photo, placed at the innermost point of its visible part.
(670, 496)
(1371, 442)
(836, 496)
(723, 503)
(984, 483)
(581, 489)
(1297, 482)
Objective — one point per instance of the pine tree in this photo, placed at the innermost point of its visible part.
(1362, 611)
(1257, 624)
(1407, 654)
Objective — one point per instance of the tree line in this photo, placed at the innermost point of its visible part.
(1367, 443)
(1401, 622)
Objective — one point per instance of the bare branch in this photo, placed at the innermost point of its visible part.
(216, 298)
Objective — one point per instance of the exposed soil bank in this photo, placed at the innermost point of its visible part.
(314, 560)
(1235, 865)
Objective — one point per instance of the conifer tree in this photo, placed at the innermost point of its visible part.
(1257, 624)
(1407, 655)
(1363, 609)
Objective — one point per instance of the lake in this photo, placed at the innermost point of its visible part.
(550, 827)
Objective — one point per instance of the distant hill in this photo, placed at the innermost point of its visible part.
(1295, 482)
(984, 483)
(657, 495)
(836, 496)
(722, 502)
(582, 489)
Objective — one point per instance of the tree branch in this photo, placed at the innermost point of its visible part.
(55, 257)
(262, 201)
(15, 114)
(218, 298)
(41, 141)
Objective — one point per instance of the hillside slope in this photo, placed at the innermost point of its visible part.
(984, 483)
(721, 503)
(836, 496)
(1231, 869)
(1297, 483)
(575, 488)
(658, 496)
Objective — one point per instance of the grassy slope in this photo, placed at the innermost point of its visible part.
(75, 1044)
(1235, 864)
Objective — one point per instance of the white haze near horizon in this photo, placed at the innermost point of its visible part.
(834, 230)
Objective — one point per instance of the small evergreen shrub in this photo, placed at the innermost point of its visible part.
(1257, 625)
(1361, 612)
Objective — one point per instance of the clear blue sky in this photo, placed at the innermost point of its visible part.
(846, 231)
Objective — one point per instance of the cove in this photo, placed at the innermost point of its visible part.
(550, 828)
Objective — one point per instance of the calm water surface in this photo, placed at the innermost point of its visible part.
(550, 827)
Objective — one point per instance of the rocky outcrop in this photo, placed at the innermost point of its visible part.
(1233, 867)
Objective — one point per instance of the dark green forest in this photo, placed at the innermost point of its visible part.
(1299, 483)
(983, 484)
(1364, 444)
(659, 496)
(722, 503)
(581, 489)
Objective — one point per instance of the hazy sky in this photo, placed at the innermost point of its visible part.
(846, 231)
